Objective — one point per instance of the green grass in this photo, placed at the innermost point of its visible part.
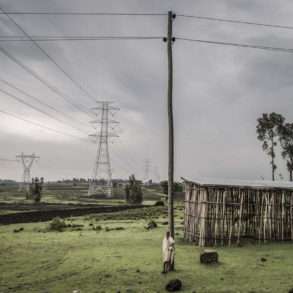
(68, 194)
(7, 212)
(98, 261)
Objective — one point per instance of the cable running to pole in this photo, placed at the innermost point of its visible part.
(49, 39)
(22, 101)
(240, 45)
(9, 84)
(200, 17)
(218, 19)
(75, 38)
(78, 85)
(43, 81)
(82, 13)
(40, 125)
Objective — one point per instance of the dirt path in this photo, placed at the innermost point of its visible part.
(48, 213)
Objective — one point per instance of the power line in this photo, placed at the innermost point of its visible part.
(40, 125)
(27, 104)
(111, 38)
(209, 18)
(34, 107)
(48, 56)
(218, 19)
(59, 132)
(43, 81)
(38, 100)
(240, 45)
(82, 13)
(73, 136)
(75, 38)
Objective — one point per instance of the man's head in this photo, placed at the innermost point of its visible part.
(167, 234)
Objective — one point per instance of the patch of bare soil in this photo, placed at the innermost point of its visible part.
(46, 212)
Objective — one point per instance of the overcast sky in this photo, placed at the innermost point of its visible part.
(219, 92)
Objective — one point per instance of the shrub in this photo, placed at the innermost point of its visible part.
(18, 230)
(35, 189)
(133, 191)
(151, 225)
(177, 187)
(159, 203)
(57, 224)
(97, 228)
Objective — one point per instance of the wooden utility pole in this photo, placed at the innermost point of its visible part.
(169, 41)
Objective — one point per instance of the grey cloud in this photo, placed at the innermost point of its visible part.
(218, 91)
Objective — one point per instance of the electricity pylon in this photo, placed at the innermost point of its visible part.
(102, 166)
(27, 162)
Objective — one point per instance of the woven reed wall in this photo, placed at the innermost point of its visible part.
(224, 215)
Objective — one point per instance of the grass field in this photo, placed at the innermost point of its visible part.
(129, 259)
(68, 194)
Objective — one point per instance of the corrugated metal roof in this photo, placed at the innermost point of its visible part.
(242, 183)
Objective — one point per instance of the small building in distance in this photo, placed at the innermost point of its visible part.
(224, 212)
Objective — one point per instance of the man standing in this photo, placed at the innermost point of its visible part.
(168, 249)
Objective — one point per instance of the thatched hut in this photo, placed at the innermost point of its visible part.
(222, 212)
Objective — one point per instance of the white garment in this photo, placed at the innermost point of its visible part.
(168, 249)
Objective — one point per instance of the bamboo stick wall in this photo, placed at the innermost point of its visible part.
(224, 215)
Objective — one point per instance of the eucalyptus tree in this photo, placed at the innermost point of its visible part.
(268, 128)
(286, 142)
(133, 191)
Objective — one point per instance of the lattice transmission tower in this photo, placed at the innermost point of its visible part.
(102, 173)
(27, 163)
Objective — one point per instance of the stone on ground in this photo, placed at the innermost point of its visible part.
(209, 257)
(174, 285)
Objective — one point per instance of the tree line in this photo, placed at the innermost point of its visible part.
(273, 129)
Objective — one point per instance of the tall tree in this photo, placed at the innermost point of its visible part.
(268, 128)
(133, 191)
(286, 142)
